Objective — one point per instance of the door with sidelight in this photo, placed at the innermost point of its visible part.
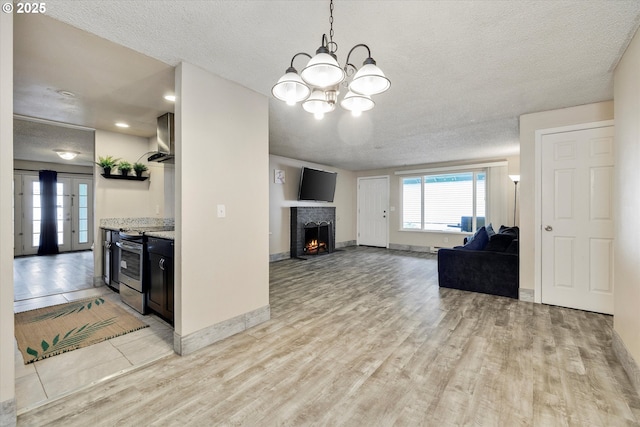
(74, 214)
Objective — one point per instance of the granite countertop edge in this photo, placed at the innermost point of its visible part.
(169, 235)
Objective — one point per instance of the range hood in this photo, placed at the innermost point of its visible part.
(166, 147)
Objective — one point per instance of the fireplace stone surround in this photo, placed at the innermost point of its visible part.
(303, 215)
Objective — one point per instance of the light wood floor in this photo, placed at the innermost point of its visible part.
(364, 337)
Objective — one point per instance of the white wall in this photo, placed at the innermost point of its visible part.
(120, 198)
(626, 319)
(222, 158)
(7, 375)
(423, 240)
(283, 196)
(529, 123)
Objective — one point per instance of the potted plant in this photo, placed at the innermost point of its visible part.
(125, 167)
(139, 168)
(107, 163)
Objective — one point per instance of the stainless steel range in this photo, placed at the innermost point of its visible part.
(133, 275)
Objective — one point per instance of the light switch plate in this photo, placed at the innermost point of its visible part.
(222, 212)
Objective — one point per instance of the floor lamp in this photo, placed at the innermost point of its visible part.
(516, 180)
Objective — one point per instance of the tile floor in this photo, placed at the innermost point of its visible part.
(46, 380)
(71, 271)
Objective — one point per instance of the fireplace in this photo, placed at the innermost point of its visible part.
(317, 238)
(312, 230)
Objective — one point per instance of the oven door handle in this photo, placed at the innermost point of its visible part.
(129, 247)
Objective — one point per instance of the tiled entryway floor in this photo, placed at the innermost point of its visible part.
(45, 380)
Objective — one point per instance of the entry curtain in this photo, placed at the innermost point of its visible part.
(48, 222)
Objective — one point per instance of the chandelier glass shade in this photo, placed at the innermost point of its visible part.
(317, 86)
(357, 103)
(369, 80)
(291, 88)
(322, 70)
(317, 104)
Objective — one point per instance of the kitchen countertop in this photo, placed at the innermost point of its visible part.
(117, 224)
(170, 235)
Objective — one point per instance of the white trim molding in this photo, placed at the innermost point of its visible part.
(453, 168)
(184, 345)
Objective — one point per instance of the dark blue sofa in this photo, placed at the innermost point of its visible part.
(489, 265)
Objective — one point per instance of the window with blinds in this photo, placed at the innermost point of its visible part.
(444, 202)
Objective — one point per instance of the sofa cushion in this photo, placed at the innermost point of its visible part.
(478, 241)
(513, 247)
(490, 231)
(499, 242)
(514, 231)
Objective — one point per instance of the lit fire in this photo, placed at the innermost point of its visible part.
(313, 246)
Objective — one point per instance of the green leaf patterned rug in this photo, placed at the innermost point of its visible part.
(49, 331)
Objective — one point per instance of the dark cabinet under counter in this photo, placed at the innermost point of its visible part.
(161, 286)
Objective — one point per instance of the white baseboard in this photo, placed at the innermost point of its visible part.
(187, 344)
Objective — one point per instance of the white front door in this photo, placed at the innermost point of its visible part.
(373, 211)
(577, 219)
(74, 214)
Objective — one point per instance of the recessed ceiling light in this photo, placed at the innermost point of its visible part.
(122, 125)
(66, 93)
(171, 98)
(67, 154)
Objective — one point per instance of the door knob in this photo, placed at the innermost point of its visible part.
(548, 228)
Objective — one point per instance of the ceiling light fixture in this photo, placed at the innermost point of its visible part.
(66, 93)
(317, 84)
(122, 125)
(67, 154)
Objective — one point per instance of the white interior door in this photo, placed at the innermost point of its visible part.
(577, 219)
(373, 211)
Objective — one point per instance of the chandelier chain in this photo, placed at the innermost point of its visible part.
(331, 23)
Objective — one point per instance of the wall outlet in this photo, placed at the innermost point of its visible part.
(222, 211)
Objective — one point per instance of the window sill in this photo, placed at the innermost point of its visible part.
(457, 233)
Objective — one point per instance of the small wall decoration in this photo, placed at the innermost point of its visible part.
(278, 176)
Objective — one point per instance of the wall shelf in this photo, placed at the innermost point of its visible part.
(126, 177)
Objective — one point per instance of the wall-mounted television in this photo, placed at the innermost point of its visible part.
(317, 185)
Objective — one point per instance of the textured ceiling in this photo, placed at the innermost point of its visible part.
(461, 72)
(36, 141)
(108, 83)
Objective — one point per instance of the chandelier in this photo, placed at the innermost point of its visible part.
(317, 85)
